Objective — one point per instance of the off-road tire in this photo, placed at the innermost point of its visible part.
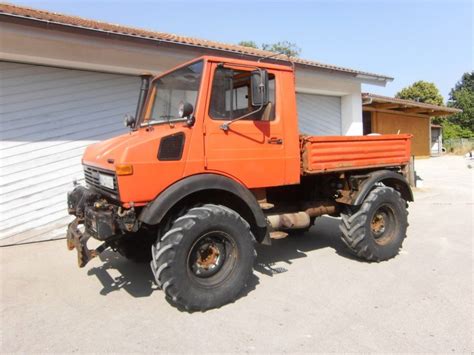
(176, 268)
(357, 225)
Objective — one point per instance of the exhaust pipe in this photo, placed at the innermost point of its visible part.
(142, 97)
(302, 219)
(296, 220)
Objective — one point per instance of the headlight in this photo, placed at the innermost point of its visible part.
(106, 181)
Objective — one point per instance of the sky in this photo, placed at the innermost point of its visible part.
(408, 40)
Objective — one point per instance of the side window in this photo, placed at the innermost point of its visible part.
(230, 97)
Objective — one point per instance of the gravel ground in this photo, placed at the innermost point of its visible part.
(307, 294)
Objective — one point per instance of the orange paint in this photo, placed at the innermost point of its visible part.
(246, 153)
(322, 154)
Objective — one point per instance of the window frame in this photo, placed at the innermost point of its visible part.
(151, 97)
(272, 77)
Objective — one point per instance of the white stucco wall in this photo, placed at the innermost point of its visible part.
(351, 109)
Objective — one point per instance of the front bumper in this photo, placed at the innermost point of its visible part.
(96, 218)
(78, 240)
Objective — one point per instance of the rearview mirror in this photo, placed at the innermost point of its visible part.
(259, 89)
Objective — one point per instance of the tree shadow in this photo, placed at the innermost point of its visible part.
(138, 281)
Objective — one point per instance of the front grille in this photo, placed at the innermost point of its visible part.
(91, 176)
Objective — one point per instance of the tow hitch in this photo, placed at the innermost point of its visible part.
(100, 219)
(76, 239)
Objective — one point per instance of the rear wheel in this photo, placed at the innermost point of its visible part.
(205, 259)
(376, 230)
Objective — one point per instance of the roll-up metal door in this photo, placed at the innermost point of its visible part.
(319, 115)
(48, 116)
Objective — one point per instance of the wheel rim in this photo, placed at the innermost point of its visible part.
(212, 258)
(383, 224)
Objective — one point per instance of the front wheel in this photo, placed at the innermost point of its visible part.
(376, 230)
(205, 259)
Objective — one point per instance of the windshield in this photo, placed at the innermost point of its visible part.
(170, 90)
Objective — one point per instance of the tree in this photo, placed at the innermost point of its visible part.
(460, 125)
(250, 44)
(462, 97)
(284, 47)
(422, 91)
(451, 130)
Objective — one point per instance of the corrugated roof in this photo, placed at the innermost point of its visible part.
(79, 22)
(401, 104)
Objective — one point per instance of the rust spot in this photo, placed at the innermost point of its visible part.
(378, 223)
(208, 256)
(75, 239)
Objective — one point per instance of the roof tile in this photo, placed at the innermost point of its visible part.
(75, 21)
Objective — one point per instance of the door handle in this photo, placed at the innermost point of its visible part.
(275, 140)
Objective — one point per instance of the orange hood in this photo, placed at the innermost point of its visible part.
(126, 148)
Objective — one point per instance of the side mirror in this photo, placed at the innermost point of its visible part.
(129, 121)
(186, 111)
(259, 89)
(190, 121)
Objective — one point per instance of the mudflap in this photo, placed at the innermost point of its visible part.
(78, 240)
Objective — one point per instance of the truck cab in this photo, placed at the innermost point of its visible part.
(213, 163)
(260, 150)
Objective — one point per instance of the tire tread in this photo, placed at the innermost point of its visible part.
(353, 224)
(163, 250)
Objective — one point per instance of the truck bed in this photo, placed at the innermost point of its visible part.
(334, 153)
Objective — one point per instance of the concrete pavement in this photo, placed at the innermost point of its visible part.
(307, 294)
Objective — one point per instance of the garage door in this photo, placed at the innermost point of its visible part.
(319, 115)
(48, 116)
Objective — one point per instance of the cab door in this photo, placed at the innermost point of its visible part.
(252, 150)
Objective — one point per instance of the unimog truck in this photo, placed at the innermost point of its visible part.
(214, 163)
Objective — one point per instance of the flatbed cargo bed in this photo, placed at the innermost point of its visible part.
(342, 153)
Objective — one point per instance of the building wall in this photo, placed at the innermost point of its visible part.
(349, 91)
(48, 116)
(93, 52)
(393, 123)
(77, 51)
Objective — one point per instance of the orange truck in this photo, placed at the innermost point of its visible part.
(214, 163)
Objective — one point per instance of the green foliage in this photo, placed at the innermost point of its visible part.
(452, 130)
(250, 44)
(462, 97)
(285, 47)
(422, 91)
(460, 125)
